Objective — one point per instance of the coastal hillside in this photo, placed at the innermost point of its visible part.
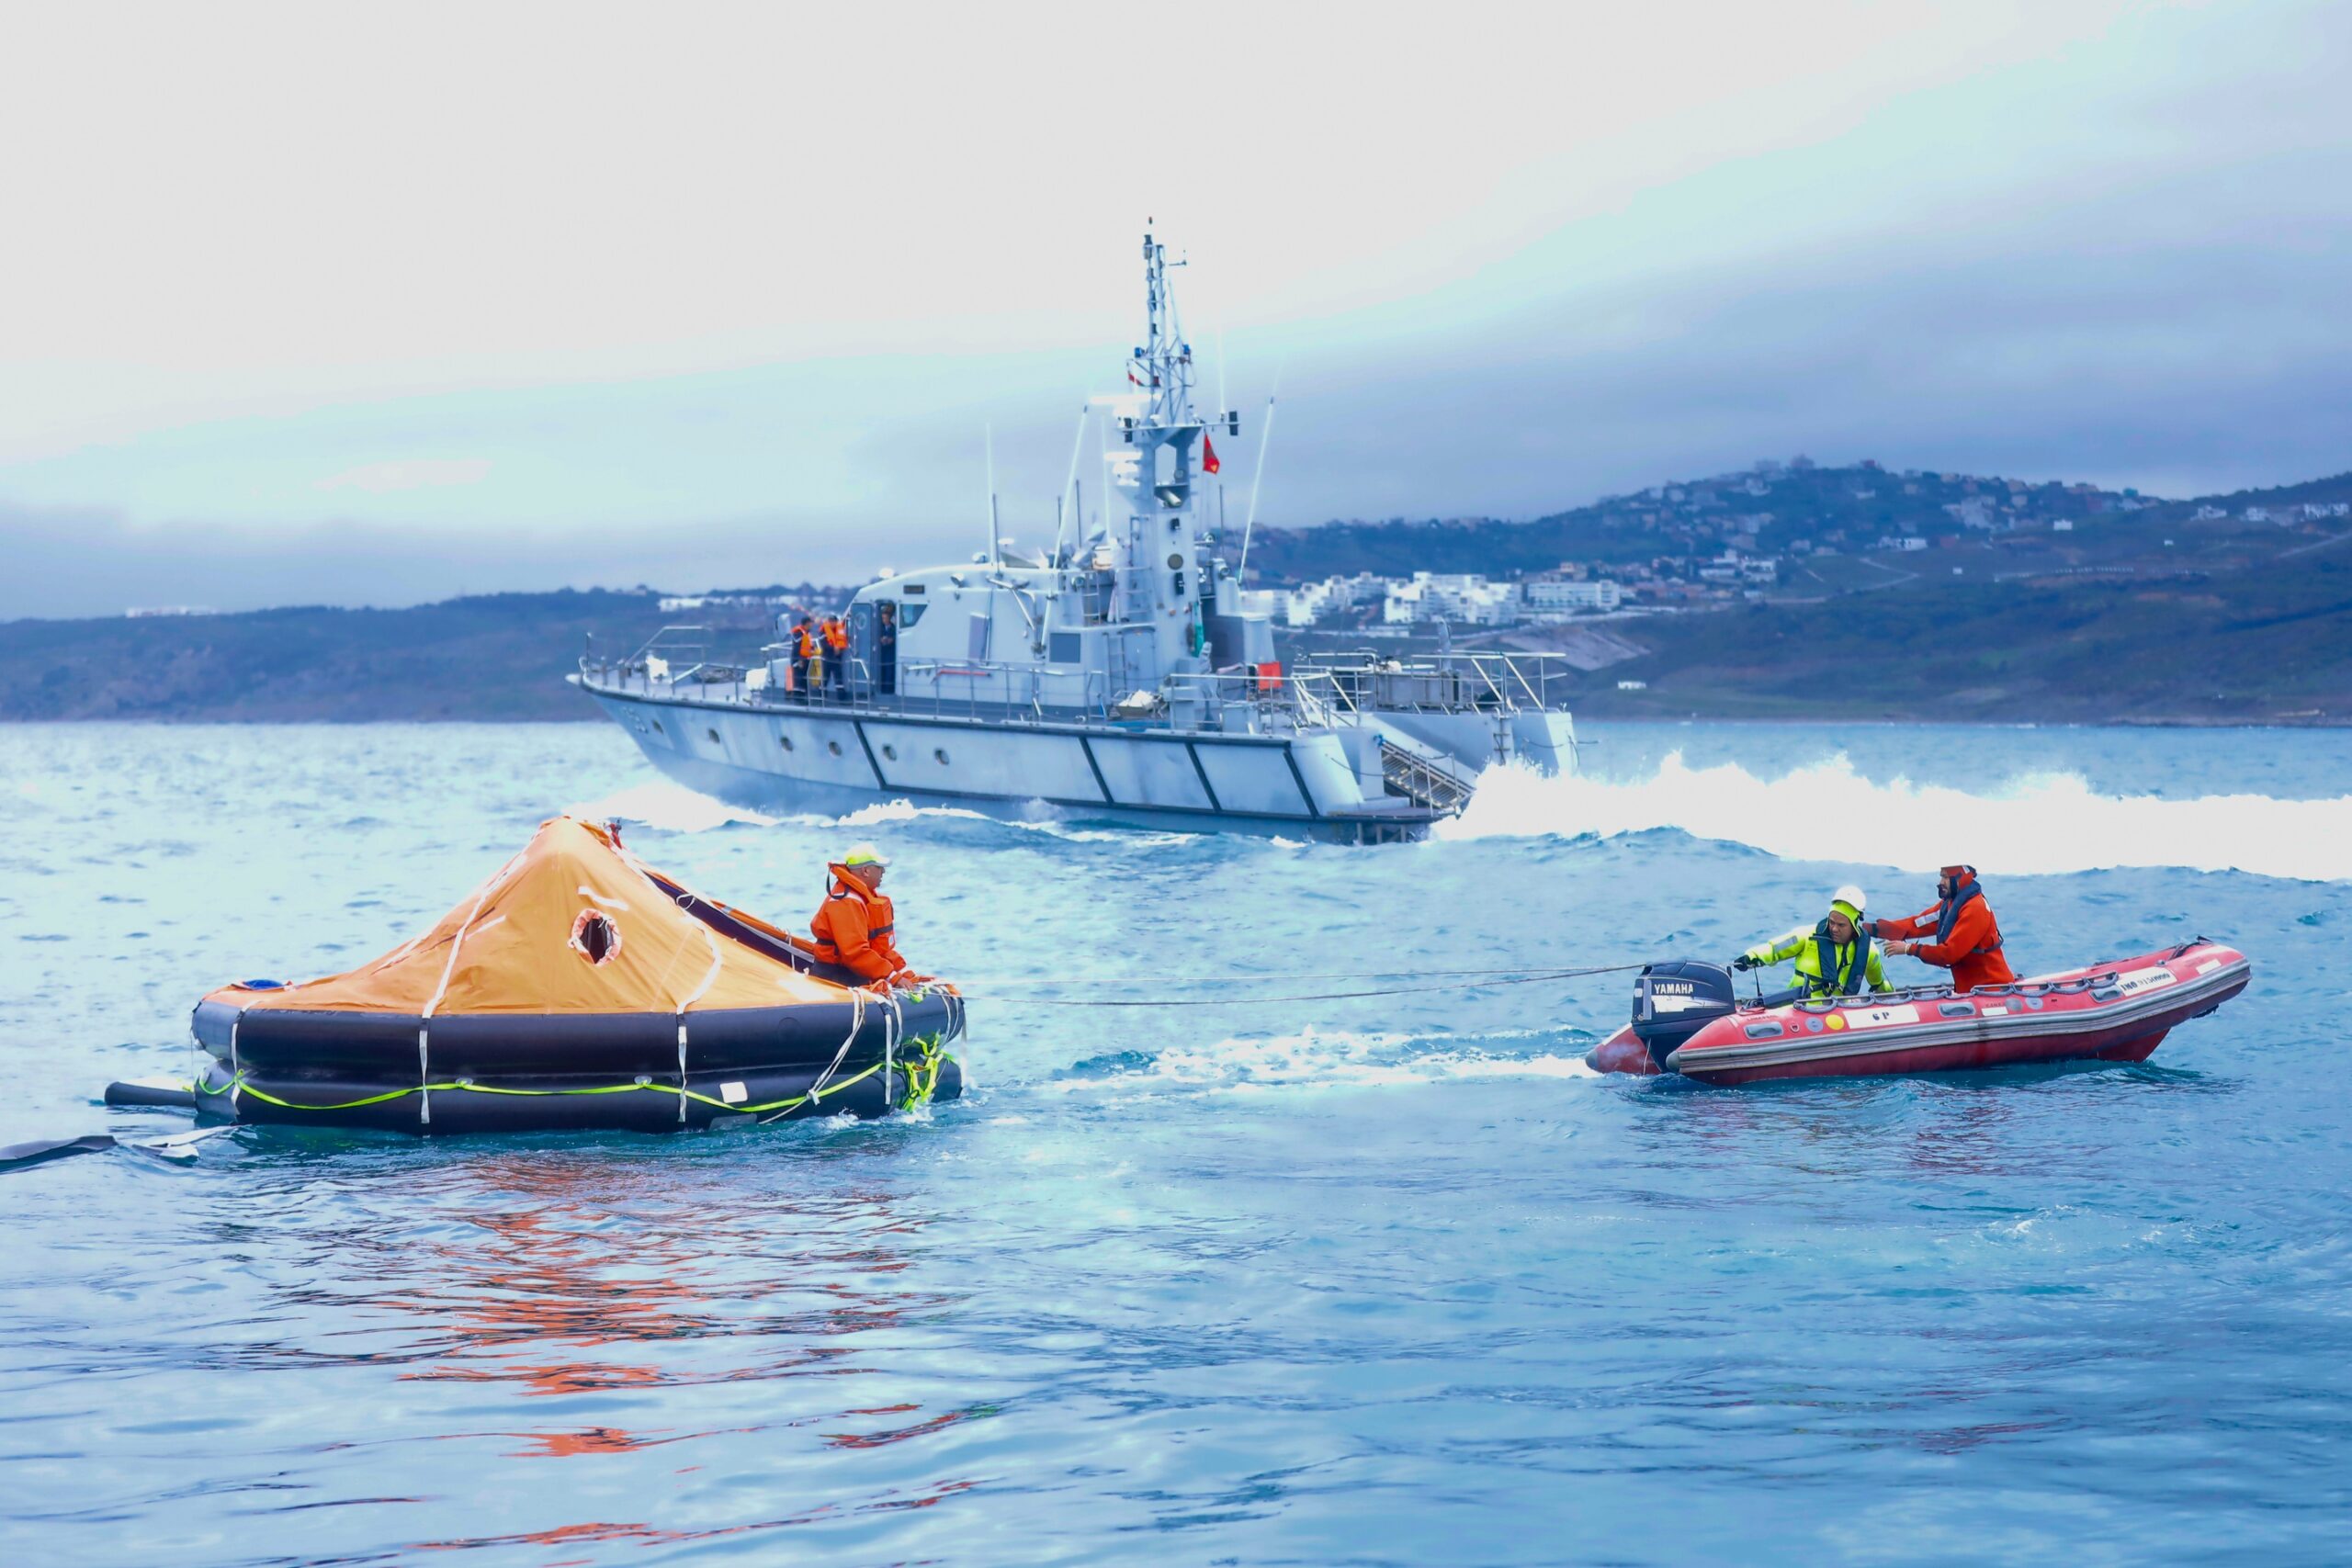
(1893, 596)
(1800, 509)
(494, 657)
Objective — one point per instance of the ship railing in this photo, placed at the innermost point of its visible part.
(672, 656)
(974, 687)
(978, 689)
(1450, 683)
(1282, 699)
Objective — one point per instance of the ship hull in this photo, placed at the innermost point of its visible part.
(790, 758)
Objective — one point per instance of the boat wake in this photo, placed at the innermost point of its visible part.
(2032, 824)
(673, 809)
(1331, 1059)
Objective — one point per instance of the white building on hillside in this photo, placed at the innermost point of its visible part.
(1464, 598)
(1546, 597)
(1310, 603)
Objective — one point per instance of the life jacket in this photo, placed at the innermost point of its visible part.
(854, 928)
(804, 643)
(1950, 912)
(1828, 979)
(836, 637)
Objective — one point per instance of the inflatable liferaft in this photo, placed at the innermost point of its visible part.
(1689, 1020)
(576, 988)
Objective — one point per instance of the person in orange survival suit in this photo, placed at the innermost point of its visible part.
(804, 656)
(1967, 938)
(835, 632)
(856, 927)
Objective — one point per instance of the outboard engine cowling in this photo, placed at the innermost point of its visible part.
(1674, 1000)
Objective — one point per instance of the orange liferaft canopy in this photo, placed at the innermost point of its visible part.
(573, 924)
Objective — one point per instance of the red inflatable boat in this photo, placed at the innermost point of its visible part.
(1688, 1019)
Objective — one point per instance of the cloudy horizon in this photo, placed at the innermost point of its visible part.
(377, 309)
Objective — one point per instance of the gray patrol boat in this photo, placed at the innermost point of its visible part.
(1125, 678)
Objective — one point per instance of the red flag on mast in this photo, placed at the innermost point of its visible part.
(1209, 464)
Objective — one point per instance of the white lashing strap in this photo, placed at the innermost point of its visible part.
(856, 1026)
(423, 1073)
(236, 1071)
(710, 978)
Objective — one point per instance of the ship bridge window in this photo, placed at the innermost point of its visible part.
(909, 614)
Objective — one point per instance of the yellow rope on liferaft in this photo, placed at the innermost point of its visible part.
(239, 1085)
(922, 1070)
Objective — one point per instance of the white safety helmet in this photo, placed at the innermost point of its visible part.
(1850, 901)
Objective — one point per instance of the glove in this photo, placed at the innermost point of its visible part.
(1744, 962)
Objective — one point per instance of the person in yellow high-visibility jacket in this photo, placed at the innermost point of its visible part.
(1835, 958)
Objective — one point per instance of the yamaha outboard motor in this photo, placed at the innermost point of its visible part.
(1674, 1000)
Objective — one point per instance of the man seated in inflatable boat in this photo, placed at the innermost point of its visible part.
(1835, 958)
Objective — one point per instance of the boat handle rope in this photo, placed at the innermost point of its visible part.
(935, 1052)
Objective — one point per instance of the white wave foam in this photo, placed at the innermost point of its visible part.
(672, 807)
(1326, 1059)
(1044, 822)
(2031, 824)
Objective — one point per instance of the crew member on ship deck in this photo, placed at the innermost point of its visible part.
(1967, 938)
(804, 656)
(835, 634)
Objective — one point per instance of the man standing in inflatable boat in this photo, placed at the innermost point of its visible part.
(1967, 938)
(1835, 958)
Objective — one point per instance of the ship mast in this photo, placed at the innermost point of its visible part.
(1167, 578)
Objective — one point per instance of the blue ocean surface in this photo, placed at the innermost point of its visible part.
(1232, 1277)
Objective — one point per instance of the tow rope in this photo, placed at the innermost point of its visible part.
(1491, 977)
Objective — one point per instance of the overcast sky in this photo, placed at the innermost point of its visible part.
(315, 303)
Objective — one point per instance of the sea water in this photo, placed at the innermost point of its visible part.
(1241, 1277)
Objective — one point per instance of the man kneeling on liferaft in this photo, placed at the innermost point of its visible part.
(1835, 958)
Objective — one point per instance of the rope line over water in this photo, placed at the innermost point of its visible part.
(995, 981)
(1491, 977)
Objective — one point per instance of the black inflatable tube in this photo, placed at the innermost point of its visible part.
(570, 1101)
(806, 1035)
(147, 1094)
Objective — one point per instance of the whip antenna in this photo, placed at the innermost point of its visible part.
(1265, 439)
(1069, 485)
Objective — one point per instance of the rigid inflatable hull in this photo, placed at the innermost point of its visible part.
(2118, 1012)
(518, 1072)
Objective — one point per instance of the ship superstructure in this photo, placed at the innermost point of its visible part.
(1124, 674)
